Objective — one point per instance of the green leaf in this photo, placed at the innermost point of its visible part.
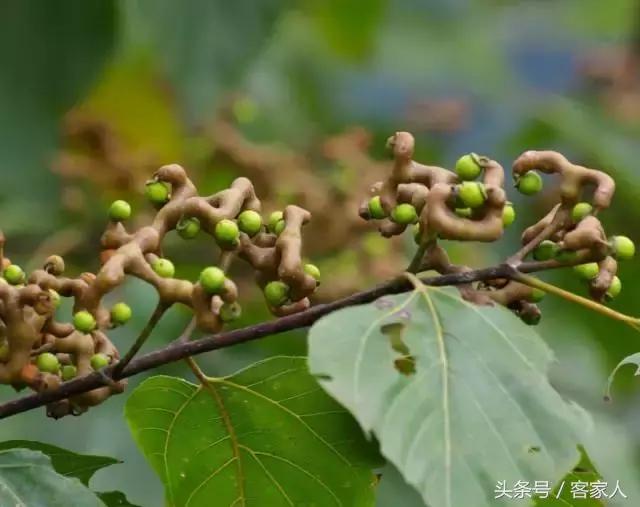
(394, 490)
(115, 499)
(464, 402)
(27, 479)
(67, 463)
(631, 359)
(267, 435)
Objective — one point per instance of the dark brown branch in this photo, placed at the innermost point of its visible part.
(179, 349)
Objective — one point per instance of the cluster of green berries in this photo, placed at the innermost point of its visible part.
(277, 292)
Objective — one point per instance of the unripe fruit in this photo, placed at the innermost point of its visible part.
(188, 228)
(623, 248)
(250, 222)
(529, 183)
(472, 194)
(581, 210)
(537, 295)
(279, 228)
(47, 362)
(375, 208)
(119, 210)
(614, 289)
(566, 256)
(227, 232)
(212, 280)
(120, 313)
(55, 298)
(157, 192)
(164, 268)
(68, 372)
(404, 214)
(508, 214)
(14, 274)
(276, 293)
(467, 167)
(4, 352)
(230, 312)
(84, 322)
(587, 271)
(546, 250)
(99, 361)
(313, 271)
(276, 218)
(464, 212)
(532, 319)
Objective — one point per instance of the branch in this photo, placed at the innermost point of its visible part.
(182, 349)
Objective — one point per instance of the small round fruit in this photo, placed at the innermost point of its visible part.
(529, 183)
(546, 250)
(212, 279)
(99, 361)
(566, 256)
(68, 372)
(47, 362)
(531, 319)
(230, 312)
(250, 222)
(84, 322)
(275, 218)
(277, 230)
(14, 274)
(227, 232)
(537, 295)
(404, 214)
(313, 271)
(580, 211)
(276, 293)
(467, 167)
(188, 228)
(614, 289)
(55, 298)
(587, 271)
(121, 313)
(623, 248)
(164, 268)
(472, 194)
(508, 214)
(464, 212)
(4, 352)
(119, 210)
(375, 208)
(157, 192)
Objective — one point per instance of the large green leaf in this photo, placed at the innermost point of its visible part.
(457, 394)
(267, 435)
(394, 490)
(27, 479)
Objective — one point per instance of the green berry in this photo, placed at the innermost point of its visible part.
(69, 371)
(164, 268)
(119, 210)
(587, 271)
(84, 322)
(313, 271)
(14, 274)
(546, 250)
(227, 232)
(48, 362)
(212, 279)
(404, 214)
(566, 256)
(536, 295)
(230, 312)
(188, 228)
(532, 319)
(55, 298)
(614, 289)
(274, 218)
(467, 167)
(250, 222)
(277, 230)
(99, 361)
(276, 293)
(157, 192)
(623, 248)
(529, 183)
(464, 212)
(375, 208)
(508, 214)
(120, 313)
(581, 210)
(4, 352)
(472, 194)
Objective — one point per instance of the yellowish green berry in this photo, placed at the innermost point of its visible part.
(188, 228)
(212, 280)
(529, 183)
(404, 214)
(313, 271)
(580, 211)
(587, 271)
(276, 218)
(157, 192)
(464, 212)
(614, 289)
(250, 222)
(230, 312)
(119, 210)
(376, 211)
(121, 313)
(14, 274)
(68, 372)
(536, 295)
(55, 298)
(276, 293)
(467, 167)
(84, 322)
(48, 362)
(164, 268)
(546, 250)
(508, 214)
(623, 248)
(99, 361)
(472, 194)
(226, 232)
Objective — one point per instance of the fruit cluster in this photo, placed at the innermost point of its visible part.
(40, 352)
(454, 205)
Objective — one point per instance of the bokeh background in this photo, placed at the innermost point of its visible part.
(300, 97)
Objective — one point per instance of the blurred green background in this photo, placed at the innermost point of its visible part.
(300, 96)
